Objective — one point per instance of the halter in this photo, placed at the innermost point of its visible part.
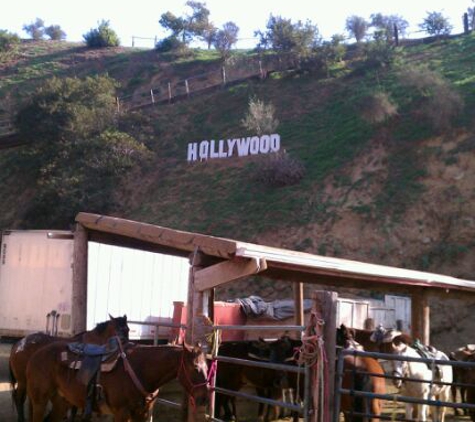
(190, 386)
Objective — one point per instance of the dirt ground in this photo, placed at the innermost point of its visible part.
(172, 392)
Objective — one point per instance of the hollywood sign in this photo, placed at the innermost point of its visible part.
(240, 147)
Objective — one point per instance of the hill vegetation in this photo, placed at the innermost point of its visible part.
(382, 139)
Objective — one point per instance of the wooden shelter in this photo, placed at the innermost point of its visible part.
(216, 261)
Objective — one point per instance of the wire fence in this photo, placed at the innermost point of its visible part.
(237, 70)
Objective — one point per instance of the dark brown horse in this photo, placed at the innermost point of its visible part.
(128, 390)
(22, 351)
(360, 373)
(267, 382)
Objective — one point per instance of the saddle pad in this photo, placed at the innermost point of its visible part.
(73, 361)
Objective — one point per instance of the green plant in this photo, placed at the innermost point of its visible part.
(260, 117)
(8, 42)
(102, 36)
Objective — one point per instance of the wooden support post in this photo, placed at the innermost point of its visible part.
(198, 325)
(298, 305)
(79, 299)
(324, 311)
(420, 315)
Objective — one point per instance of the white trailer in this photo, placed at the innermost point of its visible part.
(39, 290)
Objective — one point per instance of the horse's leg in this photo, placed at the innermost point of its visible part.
(59, 409)
(19, 398)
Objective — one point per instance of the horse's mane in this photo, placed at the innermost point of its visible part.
(102, 326)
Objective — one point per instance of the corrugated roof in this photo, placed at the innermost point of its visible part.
(276, 258)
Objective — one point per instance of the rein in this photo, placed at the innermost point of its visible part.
(149, 397)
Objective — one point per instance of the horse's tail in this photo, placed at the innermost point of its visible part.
(13, 382)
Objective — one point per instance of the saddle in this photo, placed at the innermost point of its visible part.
(428, 352)
(90, 360)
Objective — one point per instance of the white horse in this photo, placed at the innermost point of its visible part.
(423, 390)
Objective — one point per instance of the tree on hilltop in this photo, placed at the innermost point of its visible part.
(36, 29)
(284, 36)
(436, 24)
(357, 27)
(185, 28)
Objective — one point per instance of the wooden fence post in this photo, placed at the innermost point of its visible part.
(261, 72)
(187, 88)
(223, 72)
(151, 94)
(324, 311)
(169, 92)
(133, 41)
(118, 104)
(466, 29)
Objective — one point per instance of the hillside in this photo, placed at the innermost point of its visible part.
(397, 192)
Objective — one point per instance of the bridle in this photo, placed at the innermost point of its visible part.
(188, 382)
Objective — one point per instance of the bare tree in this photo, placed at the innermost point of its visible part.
(357, 27)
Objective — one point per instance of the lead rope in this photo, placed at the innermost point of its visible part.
(313, 354)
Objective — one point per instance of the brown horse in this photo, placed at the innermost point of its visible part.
(360, 373)
(127, 392)
(22, 351)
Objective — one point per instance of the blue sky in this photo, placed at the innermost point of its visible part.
(140, 19)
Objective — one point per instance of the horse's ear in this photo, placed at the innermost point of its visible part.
(111, 317)
(125, 317)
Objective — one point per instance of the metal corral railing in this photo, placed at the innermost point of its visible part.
(301, 409)
(394, 398)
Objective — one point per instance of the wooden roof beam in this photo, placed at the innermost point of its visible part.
(227, 271)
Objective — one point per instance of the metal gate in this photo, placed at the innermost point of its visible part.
(393, 399)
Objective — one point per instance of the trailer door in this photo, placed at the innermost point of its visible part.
(35, 279)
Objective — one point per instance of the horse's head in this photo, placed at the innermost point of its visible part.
(193, 374)
(400, 367)
(118, 327)
(345, 337)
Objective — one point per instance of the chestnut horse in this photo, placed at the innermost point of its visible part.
(22, 351)
(128, 391)
(360, 373)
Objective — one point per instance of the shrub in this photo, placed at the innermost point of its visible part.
(102, 36)
(280, 169)
(437, 100)
(170, 43)
(8, 41)
(377, 108)
(55, 32)
(260, 118)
